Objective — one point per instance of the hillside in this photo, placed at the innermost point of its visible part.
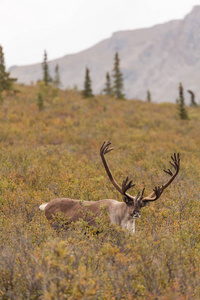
(154, 59)
(55, 153)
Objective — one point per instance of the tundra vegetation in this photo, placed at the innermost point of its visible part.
(54, 152)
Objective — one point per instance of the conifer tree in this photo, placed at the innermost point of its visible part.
(117, 79)
(148, 96)
(56, 80)
(108, 89)
(192, 102)
(87, 91)
(46, 77)
(183, 115)
(6, 82)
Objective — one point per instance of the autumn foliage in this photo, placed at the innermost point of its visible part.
(54, 152)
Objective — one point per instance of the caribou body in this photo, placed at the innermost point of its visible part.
(121, 213)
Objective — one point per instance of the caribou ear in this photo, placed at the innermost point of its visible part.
(143, 204)
(125, 199)
(128, 200)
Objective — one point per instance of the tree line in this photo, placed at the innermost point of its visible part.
(115, 89)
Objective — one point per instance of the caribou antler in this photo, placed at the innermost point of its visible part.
(125, 185)
(157, 192)
(105, 149)
(176, 166)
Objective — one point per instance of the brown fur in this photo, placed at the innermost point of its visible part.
(86, 210)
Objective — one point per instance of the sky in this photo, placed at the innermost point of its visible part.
(61, 27)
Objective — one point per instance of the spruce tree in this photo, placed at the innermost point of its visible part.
(192, 102)
(56, 80)
(117, 79)
(108, 89)
(148, 96)
(87, 91)
(183, 115)
(6, 82)
(46, 77)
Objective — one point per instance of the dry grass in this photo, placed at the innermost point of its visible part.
(55, 153)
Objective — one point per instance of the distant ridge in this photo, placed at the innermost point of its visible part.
(154, 59)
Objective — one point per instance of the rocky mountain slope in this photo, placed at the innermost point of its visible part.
(154, 59)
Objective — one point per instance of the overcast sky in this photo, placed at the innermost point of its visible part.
(27, 27)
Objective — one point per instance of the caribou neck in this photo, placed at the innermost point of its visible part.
(119, 214)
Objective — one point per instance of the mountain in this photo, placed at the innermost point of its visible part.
(154, 59)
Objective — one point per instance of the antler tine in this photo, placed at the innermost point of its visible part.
(176, 157)
(168, 171)
(175, 164)
(157, 193)
(176, 160)
(142, 194)
(137, 197)
(126, 186)
(105, 148)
